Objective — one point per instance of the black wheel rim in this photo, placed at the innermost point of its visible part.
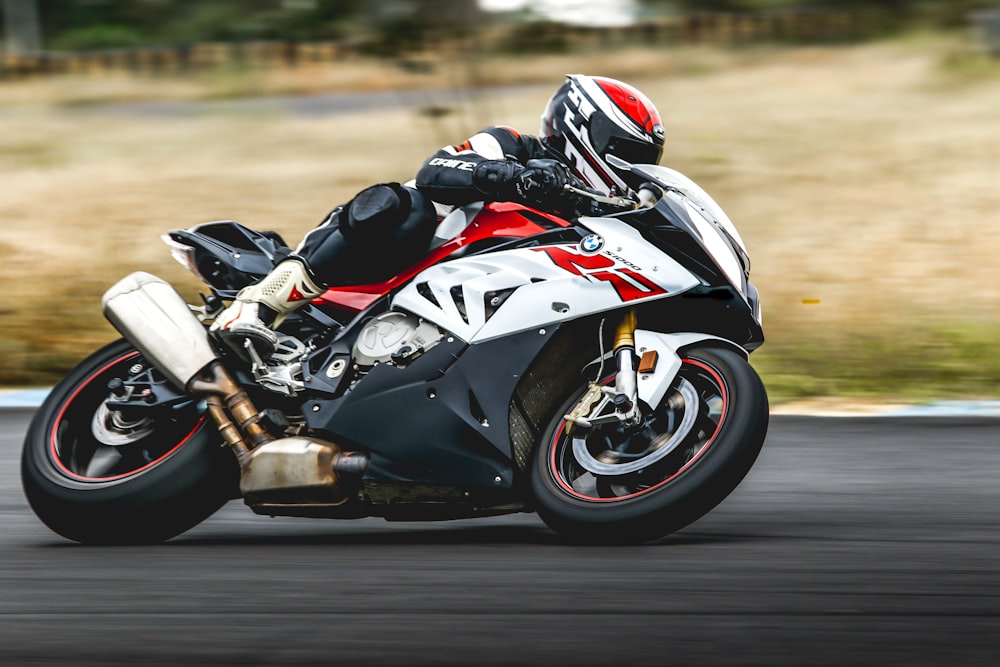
(79, 454)
(574, 480)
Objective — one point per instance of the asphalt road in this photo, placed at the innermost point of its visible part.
(853, 541)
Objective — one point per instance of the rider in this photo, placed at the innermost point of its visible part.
(389, 226)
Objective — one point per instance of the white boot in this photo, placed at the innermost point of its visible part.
(263, 306)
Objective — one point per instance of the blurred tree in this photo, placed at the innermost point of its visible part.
(408, 25)
(19, 26)
(882, 15)
(900, 8)
(78, 24)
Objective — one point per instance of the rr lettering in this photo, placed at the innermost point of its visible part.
(630, 285)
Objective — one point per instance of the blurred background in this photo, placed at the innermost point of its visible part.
(855, 144)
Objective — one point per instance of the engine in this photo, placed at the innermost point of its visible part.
(394, 337)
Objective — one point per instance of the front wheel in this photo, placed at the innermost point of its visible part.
(97, 476)
(631, 485)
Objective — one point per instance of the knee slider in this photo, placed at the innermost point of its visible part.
(376, 212)
(389, 213)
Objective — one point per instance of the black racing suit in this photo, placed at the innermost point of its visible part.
(448, 176)
(373, 236)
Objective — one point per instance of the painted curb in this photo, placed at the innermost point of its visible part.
(22, 398)
(950, 409)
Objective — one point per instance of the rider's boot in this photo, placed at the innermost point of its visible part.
(260, 308)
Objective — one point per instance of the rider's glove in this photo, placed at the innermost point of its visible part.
(539, 183)
(543, 183)
(495, 179)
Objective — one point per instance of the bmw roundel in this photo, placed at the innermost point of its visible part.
(591, 244)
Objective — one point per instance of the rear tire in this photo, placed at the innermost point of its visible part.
(650, 501)
(156, 479)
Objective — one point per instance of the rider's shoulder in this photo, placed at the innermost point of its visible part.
(505, 132)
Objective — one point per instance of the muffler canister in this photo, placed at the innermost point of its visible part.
(156, 319)
(299, 470)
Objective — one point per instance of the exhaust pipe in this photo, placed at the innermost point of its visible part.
(300, 471)
(151, 314)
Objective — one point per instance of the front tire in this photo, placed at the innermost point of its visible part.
(97, 478)
(616, 485)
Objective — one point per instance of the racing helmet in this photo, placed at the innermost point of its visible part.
(590, 117)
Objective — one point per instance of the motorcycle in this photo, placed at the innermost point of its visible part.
(594, 371)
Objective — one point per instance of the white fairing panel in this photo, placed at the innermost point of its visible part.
(653, 386)
(676, 179)
(717, 232)
(533, 287)
(454, 222)
(717, 246)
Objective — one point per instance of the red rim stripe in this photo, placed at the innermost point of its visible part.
(54, 451)
(722, 418)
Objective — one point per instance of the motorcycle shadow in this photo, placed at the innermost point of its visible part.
(526, 532)
(468, 536)
(232, 528)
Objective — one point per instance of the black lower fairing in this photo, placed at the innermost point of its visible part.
(440, 420)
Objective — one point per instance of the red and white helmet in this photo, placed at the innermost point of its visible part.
(591, 117)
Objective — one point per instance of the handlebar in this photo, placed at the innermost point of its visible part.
(623, 203)
(648, 195)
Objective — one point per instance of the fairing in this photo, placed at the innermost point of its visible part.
(487, 296)
(705, 220)
(442, 419)
(486, 226)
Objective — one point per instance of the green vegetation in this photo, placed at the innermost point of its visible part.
(924, 362)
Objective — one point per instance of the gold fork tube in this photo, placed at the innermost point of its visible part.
(625, 334)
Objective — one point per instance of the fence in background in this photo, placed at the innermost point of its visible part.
(793, 26)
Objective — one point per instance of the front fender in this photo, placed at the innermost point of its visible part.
(654, 385)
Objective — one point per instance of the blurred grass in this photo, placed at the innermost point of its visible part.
(863, 179)
(923, 362)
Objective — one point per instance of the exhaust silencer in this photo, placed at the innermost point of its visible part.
(287, 471)
(156, 319)
(300, 471)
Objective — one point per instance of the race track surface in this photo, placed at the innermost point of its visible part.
(854, 541)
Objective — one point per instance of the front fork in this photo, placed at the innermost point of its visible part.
(626, 400)
(603, 404)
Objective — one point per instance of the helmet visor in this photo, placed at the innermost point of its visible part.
(606, 137)
(633, 150)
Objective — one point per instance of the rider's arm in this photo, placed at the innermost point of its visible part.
(482, 167)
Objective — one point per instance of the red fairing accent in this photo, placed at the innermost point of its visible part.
(629, 284)
(626, 290)
(651, 288)
(352, 299)
(295, 295)
(495, 220)
(636, 105)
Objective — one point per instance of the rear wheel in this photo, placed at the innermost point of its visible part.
(631, 485)
(95, 475)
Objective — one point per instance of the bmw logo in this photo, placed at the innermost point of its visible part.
(592, 243)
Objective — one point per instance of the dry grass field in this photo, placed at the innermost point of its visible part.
(863, 178)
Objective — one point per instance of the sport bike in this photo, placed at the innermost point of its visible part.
(594, 371)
